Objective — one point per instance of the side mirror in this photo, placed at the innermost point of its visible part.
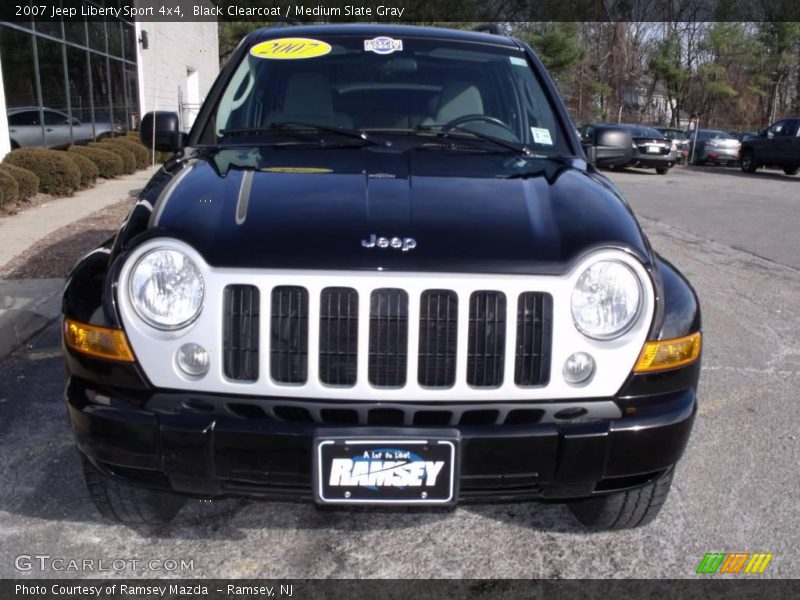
(161, 128)
(611, 147)
(762, 132)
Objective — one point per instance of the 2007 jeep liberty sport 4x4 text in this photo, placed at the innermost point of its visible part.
(380, 269)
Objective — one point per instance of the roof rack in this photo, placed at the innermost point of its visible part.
(488, 28)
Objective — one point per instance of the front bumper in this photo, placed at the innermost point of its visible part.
(653, 161)
(720, 155)
(176, 442)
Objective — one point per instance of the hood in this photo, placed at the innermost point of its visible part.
(319, 208)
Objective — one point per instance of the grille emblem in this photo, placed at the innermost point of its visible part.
(397, 243)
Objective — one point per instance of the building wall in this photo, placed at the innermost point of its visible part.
(177, 55)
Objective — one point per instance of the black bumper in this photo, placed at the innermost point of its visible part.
(208, 455)
(666, 161)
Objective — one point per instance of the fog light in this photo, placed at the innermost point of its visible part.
(193, 360)
(578, 367)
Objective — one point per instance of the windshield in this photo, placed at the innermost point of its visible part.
(409, 87)
(645, 132)
(707, 134)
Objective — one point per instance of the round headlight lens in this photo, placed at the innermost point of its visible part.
(166, 289)
(606, 300)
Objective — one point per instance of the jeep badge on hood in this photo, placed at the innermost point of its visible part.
(404, 244)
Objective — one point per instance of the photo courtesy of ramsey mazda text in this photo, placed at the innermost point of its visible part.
(380, 269)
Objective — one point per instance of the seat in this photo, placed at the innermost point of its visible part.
(457, 99)
(308, 100)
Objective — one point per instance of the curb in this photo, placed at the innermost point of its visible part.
(26, 307)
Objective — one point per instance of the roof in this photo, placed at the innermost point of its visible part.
(372, 30)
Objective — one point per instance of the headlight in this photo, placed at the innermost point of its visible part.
(166, 289)
(606, 300)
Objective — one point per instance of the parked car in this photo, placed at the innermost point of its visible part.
(679, 140)
(776, 146)
(712, 146)
(743, 135)
(381, 275)
(651, 149)
(25, 128)
(105, 126)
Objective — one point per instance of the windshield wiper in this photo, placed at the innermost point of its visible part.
(518, 148)
(560, 159)
(297, 127)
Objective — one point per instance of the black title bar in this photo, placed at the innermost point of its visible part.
(418, 589)
(420, 11)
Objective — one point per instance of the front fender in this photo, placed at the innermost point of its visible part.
(678, 315)
(87, 299)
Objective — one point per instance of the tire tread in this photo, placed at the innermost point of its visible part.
(124, 503)
(624, 510)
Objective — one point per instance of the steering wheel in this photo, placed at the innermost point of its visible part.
(459, 121)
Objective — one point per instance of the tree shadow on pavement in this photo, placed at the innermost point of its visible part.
(55, 258)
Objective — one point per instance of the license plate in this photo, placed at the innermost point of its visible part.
(385, 469)
(654, 149)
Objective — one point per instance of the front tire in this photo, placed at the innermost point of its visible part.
(791, 170)
(121, 502)
(662, 170)
(624, 510)
(748, 164)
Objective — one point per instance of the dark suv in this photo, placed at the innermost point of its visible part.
(776, 146)
(380, 270)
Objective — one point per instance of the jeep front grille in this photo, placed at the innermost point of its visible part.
(487, 338)
(240, 332)
(387, 361)
(289, 334)
(438, 331)
(338, 336)
(534, 326)
(378, 336)
(388, 337)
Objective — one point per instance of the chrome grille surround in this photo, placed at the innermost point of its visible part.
(155, 350)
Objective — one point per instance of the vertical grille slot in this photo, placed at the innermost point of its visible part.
(438, 335)
(487, 337)
(534, 339)
(338, 336)
(388, 337)
(240, 332)
(289, 334)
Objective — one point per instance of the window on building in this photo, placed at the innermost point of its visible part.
(79, 95)
(101, 92)
(19, 81)
(118, 95)
(83, 75)
(75, 30)
(97, 35)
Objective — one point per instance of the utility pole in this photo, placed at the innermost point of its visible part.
(696, 119)
(774, 100)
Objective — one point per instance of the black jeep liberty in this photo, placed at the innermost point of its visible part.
(380, 269)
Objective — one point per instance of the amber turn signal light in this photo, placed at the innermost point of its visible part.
(669, 354)
(101, 342)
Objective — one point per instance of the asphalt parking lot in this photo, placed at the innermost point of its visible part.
(737, 489)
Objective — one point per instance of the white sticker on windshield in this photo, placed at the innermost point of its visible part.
(518, 61)
(383, 45)
(541, 136)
